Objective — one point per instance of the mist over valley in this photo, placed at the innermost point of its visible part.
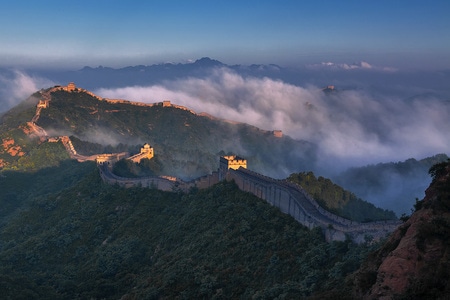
(373, 115)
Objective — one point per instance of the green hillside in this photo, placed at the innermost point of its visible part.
(341, 202)
(94, 241)
(19, 114)
(19, 189)
(188, 144)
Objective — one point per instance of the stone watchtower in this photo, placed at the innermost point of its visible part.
(43, 104)
(277, 133)
(71, 87)
(230, 162)
(146, 152)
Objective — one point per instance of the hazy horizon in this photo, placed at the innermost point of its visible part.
(409, 35)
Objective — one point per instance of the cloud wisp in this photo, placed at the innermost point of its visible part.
(16, 86)
(363, 65)
(351, 128)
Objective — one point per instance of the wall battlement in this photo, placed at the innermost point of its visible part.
(230, 162)
(71, 87)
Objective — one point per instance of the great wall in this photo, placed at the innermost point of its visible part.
(290, 198)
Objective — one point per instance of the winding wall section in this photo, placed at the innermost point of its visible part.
(157, 182)
(288, 197)
(291, 199)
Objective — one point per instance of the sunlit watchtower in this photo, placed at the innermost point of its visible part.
(71, 87)
(230, 162)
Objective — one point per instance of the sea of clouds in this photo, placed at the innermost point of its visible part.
(351, 127)
(16, 86)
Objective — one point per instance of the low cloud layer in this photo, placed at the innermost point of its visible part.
(16, 86)
(351, 128)
(363, 65)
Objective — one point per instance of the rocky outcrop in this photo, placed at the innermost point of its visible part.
(414, 263)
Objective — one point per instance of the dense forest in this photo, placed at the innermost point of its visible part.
(91, 240)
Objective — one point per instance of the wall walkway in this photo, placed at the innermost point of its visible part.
(158, 182)
(291, 199)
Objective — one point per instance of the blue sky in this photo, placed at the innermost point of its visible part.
(71, 34)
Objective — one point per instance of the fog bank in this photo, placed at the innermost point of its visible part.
(16, 86)
(350, 127)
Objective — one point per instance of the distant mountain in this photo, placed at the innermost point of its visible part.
(374, 80)
(91, 78)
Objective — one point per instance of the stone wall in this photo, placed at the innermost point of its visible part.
(288, 197)
(293, 200)
(160, 183)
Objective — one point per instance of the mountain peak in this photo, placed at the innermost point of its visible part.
(207, 62)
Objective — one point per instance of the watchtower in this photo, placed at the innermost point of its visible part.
(230, 162)
(146, 152)
(42, 104)
(277, 133)
(71, 87)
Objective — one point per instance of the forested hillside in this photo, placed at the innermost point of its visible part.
(339, 201)
(91, 240)
(188, 144)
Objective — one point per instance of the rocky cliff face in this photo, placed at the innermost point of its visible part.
(415, 261)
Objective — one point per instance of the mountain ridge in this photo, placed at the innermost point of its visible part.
(169, 127)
